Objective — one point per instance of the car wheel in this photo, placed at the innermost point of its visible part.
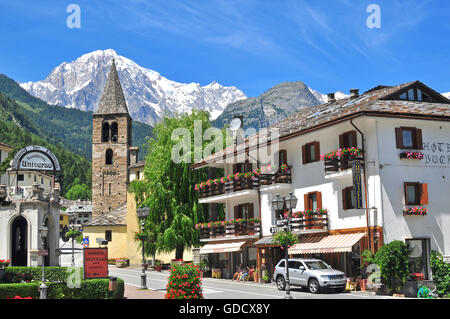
(281, 283)
(313, 286)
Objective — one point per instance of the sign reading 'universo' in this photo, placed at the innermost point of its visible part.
(35, 157)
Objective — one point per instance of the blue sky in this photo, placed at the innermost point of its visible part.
(250, 44)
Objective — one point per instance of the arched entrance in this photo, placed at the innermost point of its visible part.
(46, 258)
(19, 242)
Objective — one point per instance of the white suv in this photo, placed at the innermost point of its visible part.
(313, 274)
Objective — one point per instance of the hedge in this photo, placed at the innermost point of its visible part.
(52, 274)
(90, 289)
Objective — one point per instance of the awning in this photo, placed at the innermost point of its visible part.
(221, 248)
(265, 241)
(326, 244)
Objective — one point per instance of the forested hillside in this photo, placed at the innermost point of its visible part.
(17, 130)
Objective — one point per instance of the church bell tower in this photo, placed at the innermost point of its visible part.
(111, 141)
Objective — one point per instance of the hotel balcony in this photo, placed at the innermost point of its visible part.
(341, 166)
(314, 222)
(245, 186)
(238, 230)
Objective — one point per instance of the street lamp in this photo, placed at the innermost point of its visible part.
(143, 213)
(278, 205)
(43, 288)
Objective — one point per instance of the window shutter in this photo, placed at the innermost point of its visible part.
(405, 184)
(250, 211)
(341, 141)
(419, 139)
(306, 199)
(399, 137)
(354, 139)
(344, 198)
(423, 194)
(319, 200)
(304, 154)
(317, 149)
(236, 212)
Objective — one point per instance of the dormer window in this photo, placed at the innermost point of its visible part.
(419, 94)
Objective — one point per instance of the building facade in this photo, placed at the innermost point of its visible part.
(401, 138)
(5, 149)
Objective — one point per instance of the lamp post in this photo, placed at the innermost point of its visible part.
(278, 205)
(143, 213)
(72, 221)
(43, 288)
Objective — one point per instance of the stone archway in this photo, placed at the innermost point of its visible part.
(19, 242)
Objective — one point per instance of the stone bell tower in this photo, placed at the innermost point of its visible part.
(111, 141)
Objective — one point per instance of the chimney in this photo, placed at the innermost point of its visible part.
(331, 98)
(134, 155)
(354, 93)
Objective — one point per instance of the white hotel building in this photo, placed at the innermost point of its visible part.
(385, 124)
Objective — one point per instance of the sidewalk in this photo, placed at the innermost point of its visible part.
(132, 292)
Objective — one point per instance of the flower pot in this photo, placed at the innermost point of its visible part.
(362, 284)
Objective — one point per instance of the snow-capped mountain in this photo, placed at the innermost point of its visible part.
(79, 84)
(447, 95)
(322, 98)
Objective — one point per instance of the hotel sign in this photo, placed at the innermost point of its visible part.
(95, 262)
(35, 157)
(357, 185)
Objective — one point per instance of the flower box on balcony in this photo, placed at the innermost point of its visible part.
(415, 211)
(411, 155)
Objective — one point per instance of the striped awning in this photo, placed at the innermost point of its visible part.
(326, 244)
(221, 248)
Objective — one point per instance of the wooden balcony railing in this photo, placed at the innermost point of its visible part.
(233, 230)
(314, 220)
(245, 183)
(341, 163)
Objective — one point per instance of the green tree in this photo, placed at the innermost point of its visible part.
(79, 191)
(169, 188)
(393, 259)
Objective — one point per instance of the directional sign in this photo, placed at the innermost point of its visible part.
(276, 229)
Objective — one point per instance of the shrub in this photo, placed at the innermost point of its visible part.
(184, 282)
(441, 273)
(9, 291)
(393, 259)
(20, 274)
(90, 289)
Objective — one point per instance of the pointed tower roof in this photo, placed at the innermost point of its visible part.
(112, 100)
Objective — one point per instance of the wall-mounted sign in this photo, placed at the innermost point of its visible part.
(357, 185)
(95, 262)
(35, 157)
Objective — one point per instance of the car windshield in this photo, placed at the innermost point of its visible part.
(313, 265)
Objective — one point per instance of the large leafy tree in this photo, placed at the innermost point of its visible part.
(168, 188)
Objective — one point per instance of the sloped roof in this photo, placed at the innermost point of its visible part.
(116, 217)
(112, 100)
(369, 103)
(6, 146)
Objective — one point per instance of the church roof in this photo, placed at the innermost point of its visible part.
(112, 100)
(116, 217)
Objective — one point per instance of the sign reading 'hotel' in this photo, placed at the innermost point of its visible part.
(357, 186)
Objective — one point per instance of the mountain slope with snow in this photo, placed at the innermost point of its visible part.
(150, 96)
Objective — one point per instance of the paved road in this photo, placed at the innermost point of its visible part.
(227, 289)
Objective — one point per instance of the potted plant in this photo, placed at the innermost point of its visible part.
(4, 263)
(158, 265)
(121, 263)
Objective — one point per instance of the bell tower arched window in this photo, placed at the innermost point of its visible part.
(105, 132)
(109, 157)
(114, 132)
